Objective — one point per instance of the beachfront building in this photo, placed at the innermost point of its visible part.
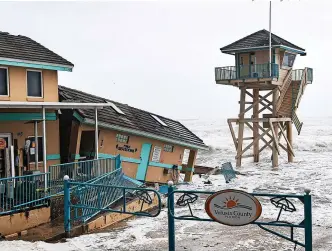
(48, 131)
(152, 147)
(271, 91)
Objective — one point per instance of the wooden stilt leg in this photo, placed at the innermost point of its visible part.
(241, 127)
(290, 140)
(190, 166)
(275, 129)
(255, 124)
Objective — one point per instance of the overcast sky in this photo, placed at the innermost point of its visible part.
(160, 56)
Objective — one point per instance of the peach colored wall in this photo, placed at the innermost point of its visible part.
(52, 137)
(154, 174)
(262, 57)
(18, 85)
(18, 222)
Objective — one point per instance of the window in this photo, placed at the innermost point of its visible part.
(122, 138)
(168, 148)
(32, 149)
(288, 59)
(117, 109)
(34, 83)
(158, 120)
(3, 82)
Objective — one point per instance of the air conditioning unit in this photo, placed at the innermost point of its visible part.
(255, 74)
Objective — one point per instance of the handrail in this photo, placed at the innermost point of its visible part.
(246, 71)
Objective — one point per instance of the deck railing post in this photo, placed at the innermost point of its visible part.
(171, 221)
(66, 190)
(307, 221)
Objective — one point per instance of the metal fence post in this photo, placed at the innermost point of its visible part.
(66, 205)
(307, 220)
(118, 161)
(171, 221)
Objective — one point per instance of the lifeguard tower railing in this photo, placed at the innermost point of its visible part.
(246, 71)
(27, 192)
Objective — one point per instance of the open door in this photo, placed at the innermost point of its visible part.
(5, 161)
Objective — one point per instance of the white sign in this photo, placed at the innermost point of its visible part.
(156, 154)
(233, 207)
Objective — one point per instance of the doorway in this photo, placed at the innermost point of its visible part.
(5, 166)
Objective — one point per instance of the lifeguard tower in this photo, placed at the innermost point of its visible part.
(271, 92)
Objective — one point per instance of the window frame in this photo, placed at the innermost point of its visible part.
(168, 145)
(283, 58)
(41, 83)
(4, 67)
(117, 136)
(33, 137)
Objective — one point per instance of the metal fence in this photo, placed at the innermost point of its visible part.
(19, 193)
(82, 171)
(101, 196)
(246, 71)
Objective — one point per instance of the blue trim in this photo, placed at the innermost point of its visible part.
(163, 165)
(37, 66)
(131, 160)
(188, 169)
(53, 156)
(294, 50)
(75, 156)
(143, 166)
(77, 116)
(18, 116)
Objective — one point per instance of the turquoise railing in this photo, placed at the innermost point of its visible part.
(246, 71)
(101, 196)
(21, 192)
(309, 74)
(82, 171)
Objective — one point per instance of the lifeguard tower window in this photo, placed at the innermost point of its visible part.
(3, 81)
(288, 59)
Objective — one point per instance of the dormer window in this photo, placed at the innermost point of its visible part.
(34, 84)
(158, 120)
(4, 81)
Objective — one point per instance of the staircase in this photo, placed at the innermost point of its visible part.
(291, 93)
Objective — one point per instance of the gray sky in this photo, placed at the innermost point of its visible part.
(160, 56)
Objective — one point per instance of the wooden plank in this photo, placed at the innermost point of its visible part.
(241, 126)
(254, 103)
(280, 119)
(290, 139)
(232, 133)
(290, 148)
(275, 151)
(255, 124)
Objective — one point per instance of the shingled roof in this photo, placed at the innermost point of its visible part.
(258, 39)
(133, 120)
(24, 48)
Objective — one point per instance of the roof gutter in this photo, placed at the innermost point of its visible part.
(35, 64)
(265, 47)
(144, 134)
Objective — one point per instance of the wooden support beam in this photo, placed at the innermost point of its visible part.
(191, 164)
(248, 138)
(275, 151)
(255, 124)
(254, 141)
(232, 133)
(241, 126)
(290, 139)
(289, 146)
(254, 102)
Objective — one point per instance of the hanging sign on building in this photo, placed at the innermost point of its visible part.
(156, 154)
(3, 143)
(233, 207)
